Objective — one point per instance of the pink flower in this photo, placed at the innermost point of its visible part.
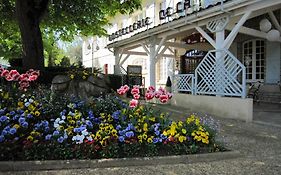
(149, 95)
(170, 95)
(136, 96)
(125, 87)
(133, 103)
(121, 91)
(157, 94)
(151, 88)
(4, 73)
(24, 77)
(135, 90)
(164, 98)
(32, 78)
(14, 74)
(9, 78)
(35, 73)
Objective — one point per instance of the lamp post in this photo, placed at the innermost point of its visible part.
(92, 46)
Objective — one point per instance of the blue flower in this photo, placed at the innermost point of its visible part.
(55, 133)
(24, 124)
(118, 127)
(116, 115)
(12, 113)
(15, 117)
(89, 123)
(4, 132)
(157, 132)
(122, 132)
(130, 134)
(2, 138)
(3, 118)
(60, 139)
(2, 111)
(155, 140)
(48, 137)
(29, 116)
(21, 120)
(121, 139)
(13, 131)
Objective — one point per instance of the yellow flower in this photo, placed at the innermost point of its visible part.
(20, 104)
(145, 127)
(16, 126)
(182, 138)
(71, 76)
(61, 128)
(37, 113)
(69, 118)
(144, 136)
(84, 77)
(30, 138)
(149, 140)
(152, 119)
(165, 133)
(31, 107)
(193, 134)
(180, 123)
(140, 137)
(183, 131)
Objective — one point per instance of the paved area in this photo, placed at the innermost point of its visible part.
(258, 142)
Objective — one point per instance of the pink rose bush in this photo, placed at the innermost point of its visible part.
(23, 79)
(151, 93)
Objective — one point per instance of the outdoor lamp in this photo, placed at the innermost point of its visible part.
(265, 25)
(273, 35)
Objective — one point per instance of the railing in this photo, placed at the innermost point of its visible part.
(220, 73)
(184, 83)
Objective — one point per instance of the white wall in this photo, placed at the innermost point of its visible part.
(225, 107)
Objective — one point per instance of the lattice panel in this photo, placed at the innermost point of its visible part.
(220, 73)
(184, 82)
(218, 24)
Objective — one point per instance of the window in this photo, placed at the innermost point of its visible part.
(254, 60)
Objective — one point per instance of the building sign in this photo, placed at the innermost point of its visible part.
(182, 8)
(186, 7)
(135, 26)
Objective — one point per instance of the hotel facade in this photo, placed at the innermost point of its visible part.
(211, 49)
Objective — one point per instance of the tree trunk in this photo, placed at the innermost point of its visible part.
(29, 20)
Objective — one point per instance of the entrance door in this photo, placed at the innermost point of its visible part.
(254, 60)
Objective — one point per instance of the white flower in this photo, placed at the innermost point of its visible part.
(57, 120)
(61, 122)
(89, 138)
(85, 132)
(31, 100)
(56, 125)
(63, 117)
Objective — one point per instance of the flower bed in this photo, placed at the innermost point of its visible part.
(35, 127)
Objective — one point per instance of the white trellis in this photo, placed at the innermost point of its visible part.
(225, 76)
(184, 83)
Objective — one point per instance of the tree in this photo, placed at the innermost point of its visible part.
(66, 18)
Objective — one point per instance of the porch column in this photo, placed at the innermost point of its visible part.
(219, 59)
(117, 66)
(152, 63)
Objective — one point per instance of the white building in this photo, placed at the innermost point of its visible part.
(243, 45)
